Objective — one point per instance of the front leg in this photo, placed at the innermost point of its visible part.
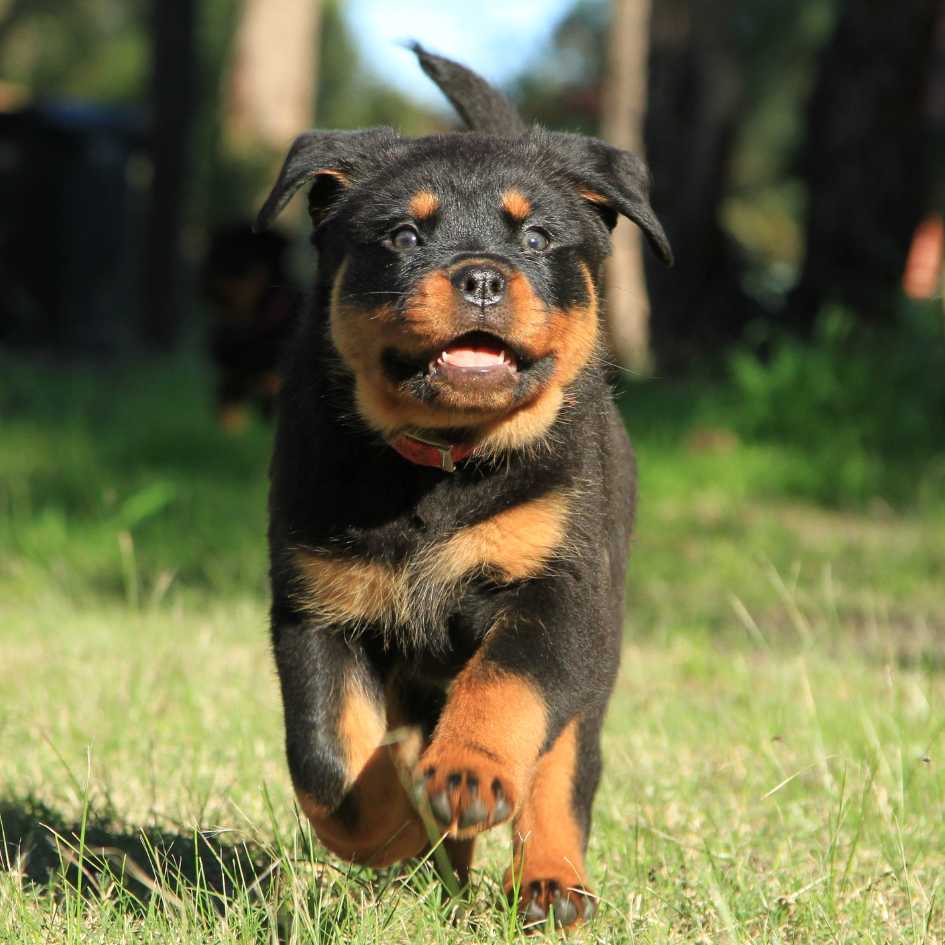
(479, 764)
(535, 671)
(336, 719)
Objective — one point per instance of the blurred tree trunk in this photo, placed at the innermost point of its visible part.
(173, 95)
(623, 107)
(270, 94)
(866, 158)
(696, 103)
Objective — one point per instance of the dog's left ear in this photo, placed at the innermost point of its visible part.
(333, 160)
(616, 182)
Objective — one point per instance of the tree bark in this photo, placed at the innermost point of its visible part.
(695, 107)
(866, 159)
(624, 104)
(173, 97)
(271, 88)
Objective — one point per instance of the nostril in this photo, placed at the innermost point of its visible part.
(480, 285)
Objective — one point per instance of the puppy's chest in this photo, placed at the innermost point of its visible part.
(410, 594)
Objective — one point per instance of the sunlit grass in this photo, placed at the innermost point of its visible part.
(773, 751)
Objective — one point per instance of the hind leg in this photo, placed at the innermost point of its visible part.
(550, 834)
(345, 774)
(375, 824)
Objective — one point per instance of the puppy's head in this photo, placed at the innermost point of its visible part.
(463, 269)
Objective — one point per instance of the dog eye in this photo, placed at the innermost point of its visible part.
(535, 240)
(404, 238)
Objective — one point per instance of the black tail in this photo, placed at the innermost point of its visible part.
(480, 106)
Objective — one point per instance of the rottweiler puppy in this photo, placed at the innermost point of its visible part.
(452, 490)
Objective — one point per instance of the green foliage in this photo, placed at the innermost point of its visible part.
(868, 410)
(94, 49)
(772, 750)
(119, 483)
(764, 55)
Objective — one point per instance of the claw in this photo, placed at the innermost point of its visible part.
(440, 805)
(475, 813)
(501, 809)
(565, 910)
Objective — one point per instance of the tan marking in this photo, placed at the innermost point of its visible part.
(386, 829)
(361, 727)
(361, 334)
(339, 176)
(431, 310)
(423, 204)
(516, 205)
(316, 210)
(346, 589)
(511, 546)
(502, 712)
(548, 841)
(525, 428)
(572, 336)
(594, 197)
(492, 726)
(516, 543)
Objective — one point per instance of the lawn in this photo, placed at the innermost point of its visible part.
(775, 750)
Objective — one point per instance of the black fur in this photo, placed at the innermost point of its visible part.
(339, 488)
(480, 106)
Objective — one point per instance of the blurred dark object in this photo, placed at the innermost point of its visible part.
(699, 96)
(764, 179)
(174, 102)
(67, 249)
(866, 159)
(255, 307)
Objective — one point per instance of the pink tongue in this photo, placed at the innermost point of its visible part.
(472, 357)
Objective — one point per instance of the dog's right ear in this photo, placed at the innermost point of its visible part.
(334, 160)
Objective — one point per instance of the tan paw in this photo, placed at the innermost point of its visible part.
(540, 898)
(468, 792)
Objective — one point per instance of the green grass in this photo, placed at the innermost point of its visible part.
(774, 750)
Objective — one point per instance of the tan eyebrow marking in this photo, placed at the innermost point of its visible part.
(423, 204)
(516, 205)
(594, 197)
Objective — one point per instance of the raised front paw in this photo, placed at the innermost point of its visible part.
(539, 899)
(468, 791)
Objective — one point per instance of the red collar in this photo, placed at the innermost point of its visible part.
(425, 451)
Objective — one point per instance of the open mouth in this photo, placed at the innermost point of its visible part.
(475, 353)
(475, 370)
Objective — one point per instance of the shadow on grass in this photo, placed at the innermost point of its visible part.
(195, 878)
(48, 850)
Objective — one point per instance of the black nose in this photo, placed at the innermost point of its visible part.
(481, 285)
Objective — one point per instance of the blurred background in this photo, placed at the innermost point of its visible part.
(784, 386)
(796, 151)
(795, 145)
